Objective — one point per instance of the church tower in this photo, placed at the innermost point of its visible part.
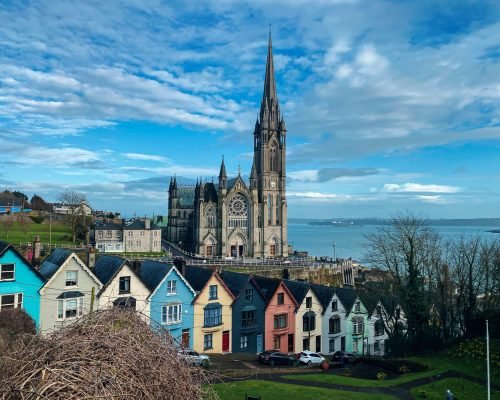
(270, 237)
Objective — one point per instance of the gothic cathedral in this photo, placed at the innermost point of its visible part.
(238, 218)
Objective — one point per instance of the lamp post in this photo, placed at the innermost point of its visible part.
(488, 360)
(334, 254)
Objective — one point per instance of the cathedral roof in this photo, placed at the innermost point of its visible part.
(185, 196)
(232, 182)
(209, 192)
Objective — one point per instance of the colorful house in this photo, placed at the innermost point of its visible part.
(122, 285)
(19, 283)
(69, 290)
(212, 311)
(333, 319)
(279, 315)
(171, 300)
(248, 312)
(307, 316)
(356, 321)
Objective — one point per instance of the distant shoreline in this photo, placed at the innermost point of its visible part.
(344, 222)
(494, 231)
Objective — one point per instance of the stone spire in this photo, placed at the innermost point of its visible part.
(269, 108)
(222, 175)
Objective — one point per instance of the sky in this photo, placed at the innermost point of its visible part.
(389, 105)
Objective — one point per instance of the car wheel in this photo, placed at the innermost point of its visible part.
(309, 363)
(205, 363)
(271, 363)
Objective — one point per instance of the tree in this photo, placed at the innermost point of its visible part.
(408, 248)
(6, 222)
(23, 223)
(39, 204)
(75, 202)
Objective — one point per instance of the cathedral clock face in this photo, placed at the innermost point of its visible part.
(237, 206)
(273, 184)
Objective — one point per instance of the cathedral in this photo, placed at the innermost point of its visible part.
(235, 217)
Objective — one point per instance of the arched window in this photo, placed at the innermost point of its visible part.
(210, 217)
(238, 211)
(277, 209)
(269, 208)
(273, 161)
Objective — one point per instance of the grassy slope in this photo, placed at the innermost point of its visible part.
(61, 233)
(462, 390)
(279, 391)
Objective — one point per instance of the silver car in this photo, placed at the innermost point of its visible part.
(194, 358)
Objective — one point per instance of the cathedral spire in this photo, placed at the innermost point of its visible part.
(269, 82)
(222, 173)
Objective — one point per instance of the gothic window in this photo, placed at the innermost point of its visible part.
(269, 208)
(238, 211)
(273, 161)
(210, 217)
(277, 209)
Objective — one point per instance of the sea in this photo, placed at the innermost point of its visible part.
(349, 241)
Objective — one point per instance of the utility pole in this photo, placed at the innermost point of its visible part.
(334, 253)
(488, 360)
(50, 229)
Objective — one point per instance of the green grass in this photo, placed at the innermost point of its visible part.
(278, 391)
(359, 382)
(462, 389)
(61, 233)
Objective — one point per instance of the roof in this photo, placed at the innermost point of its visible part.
(209, 192)
(297, 289)
(53, 262)
(347, 297)
(324, 294)
(7, 246)
(153, 272)
(138, 224)
(268, 286)
(390, 303)
(231, 182)
(185, 197)
(370, 300)
(106, 267)
(235, 281)
(197, 277)
(3, 247)
(109, 226)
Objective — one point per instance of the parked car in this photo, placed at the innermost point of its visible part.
(194, 358)
(310, 358)
(343, 356)
(275, 358)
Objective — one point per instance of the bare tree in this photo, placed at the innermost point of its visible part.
(75, 201)
(7, 222)
(23, 223)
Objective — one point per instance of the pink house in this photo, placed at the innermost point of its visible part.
(279, 316)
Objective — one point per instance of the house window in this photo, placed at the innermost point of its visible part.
(130, 243)
(280, 321)
(357, 326)
(212, 294)
(334, 325)
(213, 316)
(11, 301)
(308, 302)
(306, 344)
(249, 295)
(281, 298)
(357, 307)
(376, 346)
(138, 243)
(124, 284)
(379, 327)
(276, 342)
(244, 342)
(334, 305)
(130, 233)
(7, 272)
(100, 234)
(71, 278)
(109, 234)
(247, 319)
(309, 321)
(171, 287)
(171, 314)
(207, 341)
(69, 308)
(331, 345)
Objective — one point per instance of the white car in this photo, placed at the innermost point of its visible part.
(310, 358)
(194, 358)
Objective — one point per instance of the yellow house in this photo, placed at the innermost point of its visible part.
(212, 311)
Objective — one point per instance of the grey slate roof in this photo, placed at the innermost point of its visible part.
(197, 277)
(185, 197)
(106, 266)
(138, 224)
(347, 297)
(234, 281)
(209, 192)
(153, 272)
(297, 289)
(3, 247)
(268, 286)
(109, 226)
(324, 293)
(370, 301)
(53, 262)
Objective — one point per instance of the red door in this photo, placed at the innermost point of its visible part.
(185, 338)
(225, 341)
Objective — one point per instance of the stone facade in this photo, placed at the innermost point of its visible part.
(238, 218)
(139, 236)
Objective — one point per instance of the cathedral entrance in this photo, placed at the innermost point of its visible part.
(237, 246)
(237, 251)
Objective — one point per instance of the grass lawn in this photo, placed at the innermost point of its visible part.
(462, 389)
(343, 380)
(279, 391)
(61, 234)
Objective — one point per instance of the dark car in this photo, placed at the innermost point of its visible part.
(343, 357)
(276, 358)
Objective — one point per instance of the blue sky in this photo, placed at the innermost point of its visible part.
(389, 105)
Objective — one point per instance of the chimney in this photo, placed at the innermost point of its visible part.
(147, 223)
(136, 265)
(180, 264)
(91, 257)
(37, 247)
(285, 274)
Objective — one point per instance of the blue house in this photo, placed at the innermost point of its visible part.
(248, 312)
(170, 301)
(19, 283)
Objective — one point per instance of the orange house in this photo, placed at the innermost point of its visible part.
(279, 315)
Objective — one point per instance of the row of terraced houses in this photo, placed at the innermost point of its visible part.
(207, 310)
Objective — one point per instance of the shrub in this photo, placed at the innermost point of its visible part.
(422, 394)
(381, 376)
(37, 219)
(404, 369)
(346, 372)
(14, 322)
(394, 365)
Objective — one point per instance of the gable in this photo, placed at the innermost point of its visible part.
(287, 296)
(223, 291)
(10, 255)
(172, 274)
(137, 286)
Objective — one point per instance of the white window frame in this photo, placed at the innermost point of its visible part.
(13, 272)
(171, 314)
(244, 342)
(76, 279)
(62, 308)
(172, 287)
(357, 326)
(16, 304)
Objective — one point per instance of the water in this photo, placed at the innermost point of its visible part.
(349, 241)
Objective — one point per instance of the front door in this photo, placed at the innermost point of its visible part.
(342, 343)
(240, 250)
(185, 338)
(259, 344)
(290, 343)
(318, 344)
(225, 341)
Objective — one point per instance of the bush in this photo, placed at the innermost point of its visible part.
(404, 369)
(37, 219)
(381, 376)
(398, 366)
(14, 322)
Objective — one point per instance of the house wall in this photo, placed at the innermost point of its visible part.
(142, 240)
(273, 309)
(184, 296)
(225, 299)
(26, 281)
(326, 335)
(49, 293)
(300, 334)
(137, 290)
(105, 244)
(361, 339)
(239, 306)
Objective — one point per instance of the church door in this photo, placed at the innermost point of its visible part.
(240, 250)
(233, 251)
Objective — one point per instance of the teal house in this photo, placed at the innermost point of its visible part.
(19, 283)
(170, 301)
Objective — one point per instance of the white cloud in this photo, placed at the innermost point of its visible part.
(420, 188)
(144, 157)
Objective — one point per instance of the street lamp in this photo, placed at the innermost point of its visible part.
(334, 254)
